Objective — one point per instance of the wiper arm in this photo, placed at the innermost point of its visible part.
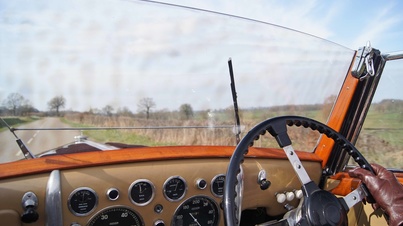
(27, 153)
(234, 99)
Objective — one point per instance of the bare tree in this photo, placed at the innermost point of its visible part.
(107, 110)
(145, 105)
(56, 103)
(186, 111)
(13, 102)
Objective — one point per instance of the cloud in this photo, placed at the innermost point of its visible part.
(379, 26)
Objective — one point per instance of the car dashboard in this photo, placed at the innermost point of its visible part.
(146, 186)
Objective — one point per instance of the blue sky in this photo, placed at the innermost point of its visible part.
(349, 23)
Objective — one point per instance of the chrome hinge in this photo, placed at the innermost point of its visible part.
(364, 63)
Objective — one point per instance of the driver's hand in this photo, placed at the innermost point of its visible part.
(386, 190)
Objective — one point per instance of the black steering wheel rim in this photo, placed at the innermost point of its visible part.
(277, 127)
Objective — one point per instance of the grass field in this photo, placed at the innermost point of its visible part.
(380, 139)
(15, 121)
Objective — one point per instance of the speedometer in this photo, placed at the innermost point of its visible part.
(116, 215)
(197, 210)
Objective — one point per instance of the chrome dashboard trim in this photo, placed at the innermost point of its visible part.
(53, 200)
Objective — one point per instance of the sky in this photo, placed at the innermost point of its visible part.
(349, 23)
(66, 66)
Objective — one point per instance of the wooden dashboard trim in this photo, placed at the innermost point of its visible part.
(97, 158)
(348, 184)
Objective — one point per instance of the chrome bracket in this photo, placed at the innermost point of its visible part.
(364, 63)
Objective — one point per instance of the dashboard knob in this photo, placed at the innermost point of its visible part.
(298, 194)
(29, 203)
(201, 184)
(280, 197)
(159, 223)
(290, 196)
(30, 215)
(112, 194)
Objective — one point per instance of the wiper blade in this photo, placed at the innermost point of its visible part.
(235, 101)
(27, 153)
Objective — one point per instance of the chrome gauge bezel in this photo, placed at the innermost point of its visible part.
(213, 182)
(81, 189)
(150, 199)
(184, 190)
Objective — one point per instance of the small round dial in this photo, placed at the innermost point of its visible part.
(141, 192)
(175, 188)
(217, 185)
(82, 201)
(197, 210)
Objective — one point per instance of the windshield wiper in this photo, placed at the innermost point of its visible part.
(27, 153)
(234, 99)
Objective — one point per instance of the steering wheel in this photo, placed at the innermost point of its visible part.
(317, 207)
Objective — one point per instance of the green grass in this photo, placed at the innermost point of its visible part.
(387, 126)
(118, 136)
(16, 121)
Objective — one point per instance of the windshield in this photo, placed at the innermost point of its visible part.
(160, 69)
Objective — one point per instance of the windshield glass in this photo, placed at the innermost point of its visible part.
(159, 68)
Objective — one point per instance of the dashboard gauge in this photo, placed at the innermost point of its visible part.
(141, 192)
(82, 201)
(217, 185)
(175, 188)
(116, 215)
(197, 210)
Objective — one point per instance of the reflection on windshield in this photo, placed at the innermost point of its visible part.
(129, 63)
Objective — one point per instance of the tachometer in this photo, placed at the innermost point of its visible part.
(82, 201)
(116, 215)
(197, 210)
(175, 188)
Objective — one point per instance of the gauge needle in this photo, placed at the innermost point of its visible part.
(195, 219)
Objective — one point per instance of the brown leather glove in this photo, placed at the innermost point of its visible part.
(386, 190)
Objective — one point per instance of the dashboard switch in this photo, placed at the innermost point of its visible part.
(298, 194)
(201, 184)
(262, 181)
(280, 197)
(29, 203)
(290, 196)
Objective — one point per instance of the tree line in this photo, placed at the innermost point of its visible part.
(16, 104)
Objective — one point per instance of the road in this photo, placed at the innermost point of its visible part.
(37, 141)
